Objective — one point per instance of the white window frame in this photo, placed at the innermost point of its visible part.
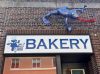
(36, 63)
(12, 61)
(78, 69)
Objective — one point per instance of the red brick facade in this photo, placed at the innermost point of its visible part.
(25, 66)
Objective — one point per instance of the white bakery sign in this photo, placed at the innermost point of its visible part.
(47, 44)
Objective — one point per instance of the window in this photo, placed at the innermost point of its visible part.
(15, 63)
(36, 62)
(77, 71)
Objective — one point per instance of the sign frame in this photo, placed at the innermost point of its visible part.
(45, 50)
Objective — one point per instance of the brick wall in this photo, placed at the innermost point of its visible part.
(24, 20)
(25, 66)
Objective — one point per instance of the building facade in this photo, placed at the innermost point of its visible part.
(35, 65)
(24, 17)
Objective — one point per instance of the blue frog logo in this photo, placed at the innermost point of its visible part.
(16, 45)
(68, 13)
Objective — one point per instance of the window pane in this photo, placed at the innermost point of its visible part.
(38, 60)
(77, 72)
(13, 65)
(34, 61)
(34, 65)
(38, 64)
(17, 65)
